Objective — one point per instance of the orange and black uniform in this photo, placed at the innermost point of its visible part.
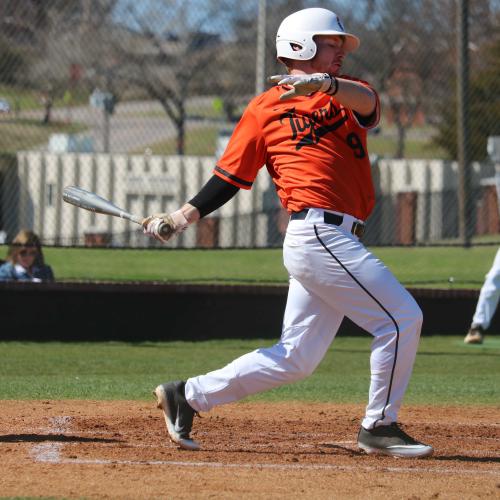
(315, 150)
(313, 147)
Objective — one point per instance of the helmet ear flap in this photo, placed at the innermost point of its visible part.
(295, 49)
(301, 47)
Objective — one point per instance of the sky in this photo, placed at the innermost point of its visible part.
(164, 16)
(168, 15)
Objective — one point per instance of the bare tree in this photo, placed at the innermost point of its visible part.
(61, 36)
(402, 51)
(237, 62)
(408, 51)
(165, 51)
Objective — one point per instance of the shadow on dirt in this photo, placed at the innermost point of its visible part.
(37, 438)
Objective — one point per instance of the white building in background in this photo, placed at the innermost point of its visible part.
(150, 184)
(140, 184)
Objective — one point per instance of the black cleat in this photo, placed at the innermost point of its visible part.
(177, 412)
(392, 440)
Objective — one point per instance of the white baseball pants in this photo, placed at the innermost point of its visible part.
(332, 275)
(488, 296)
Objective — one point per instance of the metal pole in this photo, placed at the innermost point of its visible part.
(261, 49)
(105, 130)
(464, 184)
(260, 69)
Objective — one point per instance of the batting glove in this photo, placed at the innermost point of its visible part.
(306, 84)
(162, 227)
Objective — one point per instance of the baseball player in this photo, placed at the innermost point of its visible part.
(486, 304)
(310, 133)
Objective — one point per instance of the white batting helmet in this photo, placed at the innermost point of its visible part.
(294, 39)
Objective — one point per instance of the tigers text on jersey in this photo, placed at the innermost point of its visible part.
(313, 147)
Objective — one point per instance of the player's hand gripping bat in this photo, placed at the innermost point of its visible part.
(95, 203)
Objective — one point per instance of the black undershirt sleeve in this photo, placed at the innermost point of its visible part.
(215, 193)
(366, 121)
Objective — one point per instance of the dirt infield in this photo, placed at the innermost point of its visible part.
(119, 449)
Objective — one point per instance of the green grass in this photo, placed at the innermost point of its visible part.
(19, 134)
(434, 266)
(29, 99)
(192, 111)
(412, 266)
(23, 98)
(446, 371)
(223, 266)
(200, 141)
(386, 146)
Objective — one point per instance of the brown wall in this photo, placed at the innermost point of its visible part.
(488, 219)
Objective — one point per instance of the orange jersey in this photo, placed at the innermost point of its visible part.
(313, 147)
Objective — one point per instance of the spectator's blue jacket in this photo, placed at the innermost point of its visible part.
(10, 272)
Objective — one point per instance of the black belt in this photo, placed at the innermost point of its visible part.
(358, 228)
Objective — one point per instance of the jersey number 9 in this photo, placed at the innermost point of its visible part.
(356, 145)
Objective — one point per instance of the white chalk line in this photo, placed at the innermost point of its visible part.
(51, 452)
(59, 424)
(350, 445)
(220, 465)
(47, 452)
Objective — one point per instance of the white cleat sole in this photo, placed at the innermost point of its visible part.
(162, 404)
(400, 451)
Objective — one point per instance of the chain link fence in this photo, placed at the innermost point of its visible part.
(136, 101)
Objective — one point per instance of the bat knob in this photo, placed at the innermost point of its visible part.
(166, 230)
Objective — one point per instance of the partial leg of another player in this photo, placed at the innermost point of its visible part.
(486, 304)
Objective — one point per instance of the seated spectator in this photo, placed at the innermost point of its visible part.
(25, 260)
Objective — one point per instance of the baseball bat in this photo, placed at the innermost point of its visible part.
(91, 201)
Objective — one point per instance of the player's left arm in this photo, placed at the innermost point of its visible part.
(352, 94)
(356, 96)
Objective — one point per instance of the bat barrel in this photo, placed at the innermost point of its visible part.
(91, 201)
